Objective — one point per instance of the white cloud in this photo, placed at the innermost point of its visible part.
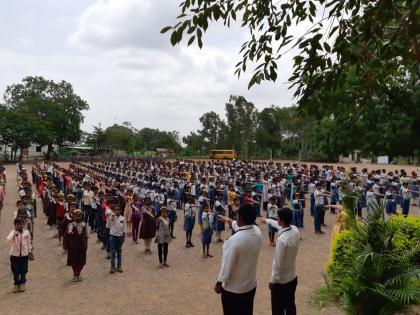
(116, 59)
(108, 24)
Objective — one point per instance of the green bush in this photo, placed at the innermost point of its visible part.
(408, 235)
(374, 267)
(344, 253)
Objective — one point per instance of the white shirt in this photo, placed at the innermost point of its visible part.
(287, 246)
(238, 272)
(319, 198)
(272, 210)
(405, 193)
(117, 225)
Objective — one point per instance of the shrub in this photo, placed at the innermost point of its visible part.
(374, 267)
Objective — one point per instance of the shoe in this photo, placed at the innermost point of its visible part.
(319, 232)
(79, 278)
(108, 256)
(22, 288)
(208, 255)
(16, 288)
(173, 237)
(204, 256)
(75, 279)
(191, 244)
(103, 247)
(187, 245)
(161, 266)
(112, 271)
(166, 265)
(324, 225)
(119, 270)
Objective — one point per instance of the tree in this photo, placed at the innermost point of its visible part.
(195, 143)
(55, 103)
(120, 138)
(149, 137)
(169, 140)
(213, 131)
(97, 139)
(241, 119)
(377, 37)
(19, 129)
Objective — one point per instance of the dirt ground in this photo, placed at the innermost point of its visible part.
(186, 287)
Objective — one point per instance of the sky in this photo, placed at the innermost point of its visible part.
(113, 54)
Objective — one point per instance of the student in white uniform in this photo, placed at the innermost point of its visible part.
(237, 280)
(283, 280)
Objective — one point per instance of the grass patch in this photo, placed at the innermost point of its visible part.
(324, 297)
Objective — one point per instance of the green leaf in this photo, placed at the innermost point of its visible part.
(327, 47)
(191, 40)
(165, 29)
(174, 38)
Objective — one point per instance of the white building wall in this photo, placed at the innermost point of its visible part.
(34, 151)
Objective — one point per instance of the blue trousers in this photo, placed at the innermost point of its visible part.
(106, 240)
(19, 266)
(405, 206)
(319, 217)
(116, 250)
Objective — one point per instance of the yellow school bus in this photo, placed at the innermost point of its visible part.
(223, 154)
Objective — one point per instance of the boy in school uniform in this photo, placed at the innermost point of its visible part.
(117, 237)
(20, 247)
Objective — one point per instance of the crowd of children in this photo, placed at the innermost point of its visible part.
(140, 199)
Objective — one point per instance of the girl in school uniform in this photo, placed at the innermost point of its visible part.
(207, 219)
(235, 208)
(148, 225)
(78, 234)
(68, 218)
(297, 211)
(189, 221)
(128, 211)
(59, 213)
(272, 214)
(172, 216)
(220, 209)
(135, 217)
(390, 206)
(163, 237)
(202, 201)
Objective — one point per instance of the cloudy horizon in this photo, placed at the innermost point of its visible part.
(113, 54)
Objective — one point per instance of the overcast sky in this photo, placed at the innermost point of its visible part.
(117, 60)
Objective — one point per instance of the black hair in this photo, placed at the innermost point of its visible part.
(286, 215)
(248, 214)
(18, 220)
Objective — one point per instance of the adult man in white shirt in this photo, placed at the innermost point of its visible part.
(237, 280)
(283, 280)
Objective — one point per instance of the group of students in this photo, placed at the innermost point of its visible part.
(140, 198)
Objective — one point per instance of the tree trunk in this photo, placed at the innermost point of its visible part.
(50, 149)
(20, 154)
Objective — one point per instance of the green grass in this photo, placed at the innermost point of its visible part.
(324, 297)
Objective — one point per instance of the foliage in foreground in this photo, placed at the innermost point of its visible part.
(375, 266)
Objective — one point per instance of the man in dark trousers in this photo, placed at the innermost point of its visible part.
(283, 280)
(237, 281)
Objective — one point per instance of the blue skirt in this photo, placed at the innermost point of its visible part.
(206, 236)
(172, 216)
(189, 223)
(200, 213)
(272, 229)
(218, 225)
